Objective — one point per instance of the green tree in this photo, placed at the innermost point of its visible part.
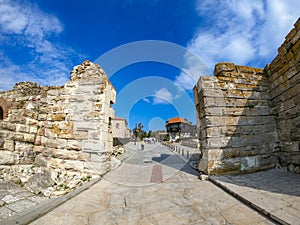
(143, 134)
(137, 131)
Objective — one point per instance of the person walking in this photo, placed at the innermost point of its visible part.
(142, 144)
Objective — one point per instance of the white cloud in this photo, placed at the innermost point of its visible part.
(239, 31)
(27, 29)
(11, 18)
(10, 73)
(146, 100)
(280, 17)
(194, 67)
(163, 96)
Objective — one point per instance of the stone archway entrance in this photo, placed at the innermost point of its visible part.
(1, 113)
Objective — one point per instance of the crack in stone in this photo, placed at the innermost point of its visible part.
(125, 203)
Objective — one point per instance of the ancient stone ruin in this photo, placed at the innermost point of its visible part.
(249, 118)
(54, 138)
(57, 136)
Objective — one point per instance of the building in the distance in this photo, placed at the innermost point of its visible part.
(161, 136)
(178, 128)
(119, 128)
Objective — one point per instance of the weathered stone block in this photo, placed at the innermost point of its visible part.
(217, 142)
(23, 146)
(41, 160)
(33, 129)
(228, 67)
(93, 116)
(65, 154)
(236, 142)
(100, 158)
(91, 82)
(29, 138)
(81, 134)
(226, 166)
(38, 149)
(248, 70)
(97, 168)
(55, 163)
(53, 92)
(9, 145)
(84, 156)
(30, 121)
(18, 137)
(212, 131)
(26, 157)
(48, 142)
(22, 128)
(87, 125)
(56, 117)
(66, 134)
(9, 126)
(61, 143)
(74, 145)
(8, 158)
(248, 163)
(290, 146)
(39, 182)
(93, 146)
(42, 117)
(295, 158)
(73, 165)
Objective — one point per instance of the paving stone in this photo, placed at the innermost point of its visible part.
(9, 199)
(20, 205)
(116, 200)
(126, 215)
(290, 215)
(166, 217)
(5, 212)
(100, 218)
(37, 199)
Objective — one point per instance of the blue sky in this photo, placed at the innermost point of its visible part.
(42, 40)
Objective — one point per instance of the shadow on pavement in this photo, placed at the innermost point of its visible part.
(273, 180)
(173, 161)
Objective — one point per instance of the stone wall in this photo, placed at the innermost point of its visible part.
(284, 77)
(248, 118)
(237, 128)
(63, 132)
(119, 128)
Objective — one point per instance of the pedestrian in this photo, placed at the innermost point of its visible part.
(142, 144)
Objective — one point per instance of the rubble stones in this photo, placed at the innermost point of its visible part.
(39, 182)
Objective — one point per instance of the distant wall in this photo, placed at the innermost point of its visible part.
(249, 118)
(119, 128)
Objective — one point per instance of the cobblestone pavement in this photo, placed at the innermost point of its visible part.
(14, 199)
(275, 192)
(153, 187)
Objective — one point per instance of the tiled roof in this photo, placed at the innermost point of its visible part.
(118, 118)
(177, 120)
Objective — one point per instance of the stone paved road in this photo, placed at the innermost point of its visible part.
(14, 199)
(153, 187)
